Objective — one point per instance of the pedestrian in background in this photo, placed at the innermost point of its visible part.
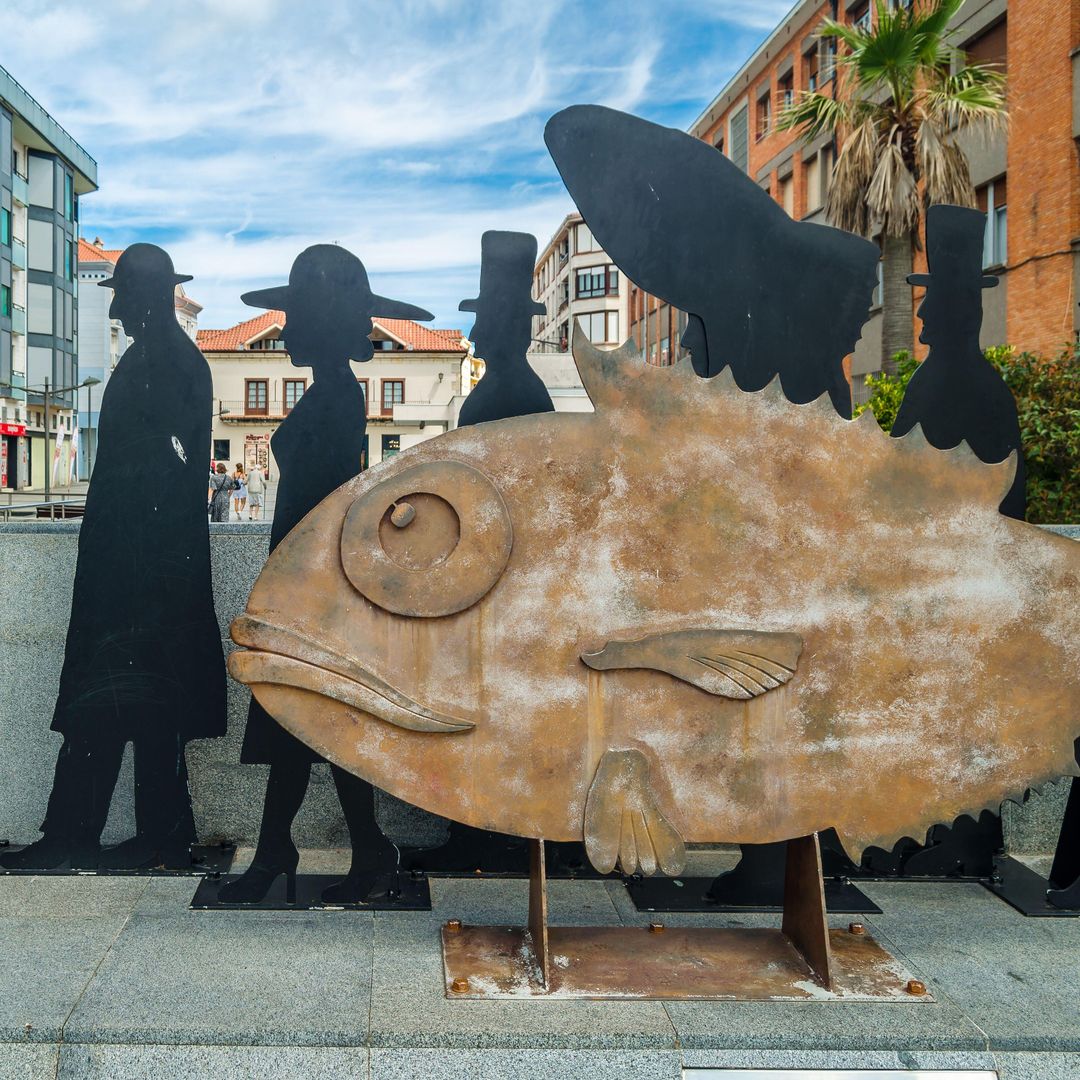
(241, 491)
(221, 484)
(256, 486)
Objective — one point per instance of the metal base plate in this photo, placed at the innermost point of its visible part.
(402, 892)
(692, 894)
(679, 963)
(206, 859)
(1025, 890)
(566, 861)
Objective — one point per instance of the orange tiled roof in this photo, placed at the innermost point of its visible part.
(421, 338)
(92, 253)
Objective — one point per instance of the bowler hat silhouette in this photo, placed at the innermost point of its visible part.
(326, 269)
(954, 247)
(507, 261)
(143, 262)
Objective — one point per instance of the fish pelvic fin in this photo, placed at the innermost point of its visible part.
(623, 822)
(739, 664)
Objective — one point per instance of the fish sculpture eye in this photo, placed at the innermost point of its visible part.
(429, 541)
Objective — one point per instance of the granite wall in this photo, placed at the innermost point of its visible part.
(37, 566)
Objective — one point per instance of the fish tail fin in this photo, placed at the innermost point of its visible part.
(623, 822)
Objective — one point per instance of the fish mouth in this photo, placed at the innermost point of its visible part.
(280, 657)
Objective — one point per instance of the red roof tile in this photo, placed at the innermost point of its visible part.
(421, 338)
(92, 253)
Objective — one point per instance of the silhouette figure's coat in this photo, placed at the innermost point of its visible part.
(143, 661)
(775, 296)
(956, 395)
(502, 332)
(328, 304)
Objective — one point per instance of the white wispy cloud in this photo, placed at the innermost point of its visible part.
(237, 132)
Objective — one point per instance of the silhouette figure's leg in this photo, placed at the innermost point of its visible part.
(164, 822)
(276, 853)
(86, 772)
(372, 854)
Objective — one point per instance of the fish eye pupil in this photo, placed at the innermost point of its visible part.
(402, 514)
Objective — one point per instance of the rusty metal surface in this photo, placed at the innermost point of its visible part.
(940, 668)
(678, 964)
(805, 922)
(538, 910)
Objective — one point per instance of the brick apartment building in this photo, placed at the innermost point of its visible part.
(1028, 180)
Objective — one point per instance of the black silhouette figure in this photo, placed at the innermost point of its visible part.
(774, 296)
(328, 305)
(509, 387)
(143, 662)
(956, 394)
(502, 332)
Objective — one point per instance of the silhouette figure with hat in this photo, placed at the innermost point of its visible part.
(956, 394)
(502, 332)
(143, 661)
(328, 307)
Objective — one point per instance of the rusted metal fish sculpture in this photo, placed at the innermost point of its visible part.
(694, 615)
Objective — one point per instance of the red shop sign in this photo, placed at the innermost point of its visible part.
(12, 429)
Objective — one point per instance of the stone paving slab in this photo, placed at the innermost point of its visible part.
(525, 1064)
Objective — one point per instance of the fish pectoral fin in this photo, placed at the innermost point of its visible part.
(623, 822)
(739, 664)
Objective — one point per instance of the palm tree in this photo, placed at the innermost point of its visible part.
(902, 96)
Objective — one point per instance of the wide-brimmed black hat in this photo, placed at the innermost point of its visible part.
(328, 270)
(954, 247)
(507, 261)
(143, 262)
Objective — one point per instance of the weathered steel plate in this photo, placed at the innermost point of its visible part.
(680, 963)
(936, 669)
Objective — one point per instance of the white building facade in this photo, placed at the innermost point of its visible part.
(413, 387)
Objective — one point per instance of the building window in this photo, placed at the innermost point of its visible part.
(991, 47)
(764, 116)
(877, 298)
(5, 301)
(860, 17)
(69, 267)
(719, 144)
(256, 397)
(812, 175)
(785, 91)
(268, 345)
(69, 198)
(292, 391)
(827, 59)
(810, 67)
(992, 202)
(584, 241)
(665, 354)
(391, 444)
(393, 393)
(786, 196)
(739, 138)
(367, 396)
(597, 281)
(382, 345)
(5, 227)
(601, 327)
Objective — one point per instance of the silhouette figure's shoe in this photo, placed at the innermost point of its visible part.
(143, 853)
(51, 853)
(254, 883)
(355, 887)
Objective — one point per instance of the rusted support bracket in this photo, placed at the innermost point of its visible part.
(538, 910)
(804, 920)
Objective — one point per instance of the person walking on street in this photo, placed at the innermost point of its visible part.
(256, 486)
(240, 491)
(217, 497)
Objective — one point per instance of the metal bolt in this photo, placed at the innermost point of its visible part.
(915, 987)
(856, 928)
(453, 926)
(656, 928)
(402, 514)
(460, 985)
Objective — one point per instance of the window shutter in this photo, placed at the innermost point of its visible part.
(740, 147)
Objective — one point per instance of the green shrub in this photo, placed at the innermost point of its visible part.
(887, 391)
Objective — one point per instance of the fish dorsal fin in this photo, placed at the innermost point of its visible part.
(740, 664)
(611, 376)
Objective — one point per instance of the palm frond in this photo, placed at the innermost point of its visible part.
(943, 166)
(893, 194)
(971, 97)
(846, 205)
(814, 114)
(930, 27)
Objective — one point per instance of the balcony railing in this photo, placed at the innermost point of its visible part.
(18, 253)
(246, 410)
(18, 319)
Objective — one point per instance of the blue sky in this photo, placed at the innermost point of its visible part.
(237, 132)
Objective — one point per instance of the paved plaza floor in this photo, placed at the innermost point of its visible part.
(115, 977)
